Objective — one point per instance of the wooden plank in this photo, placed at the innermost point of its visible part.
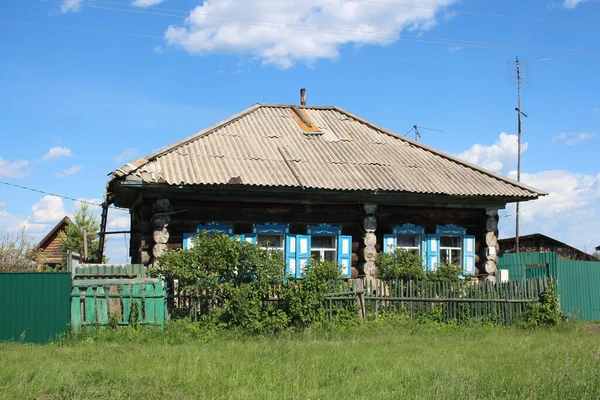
(90, 307)
(101, 306)
(126, 302)
(136, 297)
(75, 310)
(149, 304)
(160, 304)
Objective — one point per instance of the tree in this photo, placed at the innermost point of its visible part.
(84, 221)
(18, 253)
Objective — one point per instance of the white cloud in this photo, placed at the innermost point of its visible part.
(57, 152)
(127, 155)
(572, 3)
(499, 157)
(120, 223)
(15, 169)
(158, 49)
(570, 212)
(284, 32)
(50, 209)
(146, 3)
(69, 171)
(571, 138)
(2, 204)
(70, 6)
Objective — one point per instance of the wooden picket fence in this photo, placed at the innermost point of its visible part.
(500, 303)
(442, 301)
(94, 301)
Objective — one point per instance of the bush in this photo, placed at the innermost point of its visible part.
(546, 311)
(242, 276)
(446, 273)
(303, 299)
(400, 265)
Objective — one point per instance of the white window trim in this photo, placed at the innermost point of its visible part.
(322, 250)
(450, 250)
(420, 240)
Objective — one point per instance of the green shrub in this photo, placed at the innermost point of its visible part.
(400, 265)
(546, 311)
(446, 273)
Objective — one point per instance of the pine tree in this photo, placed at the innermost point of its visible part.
(84, 221)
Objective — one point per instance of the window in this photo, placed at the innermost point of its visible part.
(409, 242)
(324, 248)
(271, 242)
(451, 250)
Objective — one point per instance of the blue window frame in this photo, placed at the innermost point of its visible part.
(450, 244)
(327, 243)
(407, 237)
(211, 228)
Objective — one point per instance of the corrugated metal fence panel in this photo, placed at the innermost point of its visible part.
(34, 306)
(110, 270)
(515, 264)
(579, 288)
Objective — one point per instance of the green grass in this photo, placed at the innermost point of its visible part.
(372, 362)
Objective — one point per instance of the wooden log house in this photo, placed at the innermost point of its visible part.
(52, 253)
(315, 181)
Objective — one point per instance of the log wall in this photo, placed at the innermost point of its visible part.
(186, 215)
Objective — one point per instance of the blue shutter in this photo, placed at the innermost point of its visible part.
(302, 253)
(187, 240)
(290, 255)
(433, 252)
(469, 255)
(344, 255)
(389, 244)
(424, 251)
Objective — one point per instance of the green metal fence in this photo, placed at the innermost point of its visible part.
(34, 306)
(578, 281)
(579, 288)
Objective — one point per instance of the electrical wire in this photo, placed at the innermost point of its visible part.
(58, 195)
(484, 14)
(344, 32)
(319, 54)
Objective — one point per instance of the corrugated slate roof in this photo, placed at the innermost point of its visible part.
(266, 146)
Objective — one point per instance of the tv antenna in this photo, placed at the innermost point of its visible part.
(416, 128)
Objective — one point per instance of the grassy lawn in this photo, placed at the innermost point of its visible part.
(364, 363)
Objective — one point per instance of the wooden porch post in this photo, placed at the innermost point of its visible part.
(160, 235)
(488, 248)
(370, 240)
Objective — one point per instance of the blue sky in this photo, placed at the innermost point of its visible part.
(101, 99)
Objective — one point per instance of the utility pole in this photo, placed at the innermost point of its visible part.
(416, 128)
(519, 113)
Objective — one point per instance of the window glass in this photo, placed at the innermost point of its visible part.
(323, 242)
(270, 242)
(324, 247)
(409, 241)
(451, 250)
(450, 241)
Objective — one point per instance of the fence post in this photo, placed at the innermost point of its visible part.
(359, 291)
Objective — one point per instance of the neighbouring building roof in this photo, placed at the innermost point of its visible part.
(542, 243)
(318, 148)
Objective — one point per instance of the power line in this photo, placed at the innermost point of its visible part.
(484, 14)
(57, 195)
(457, 12)
(344, 32)
(319, 54)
